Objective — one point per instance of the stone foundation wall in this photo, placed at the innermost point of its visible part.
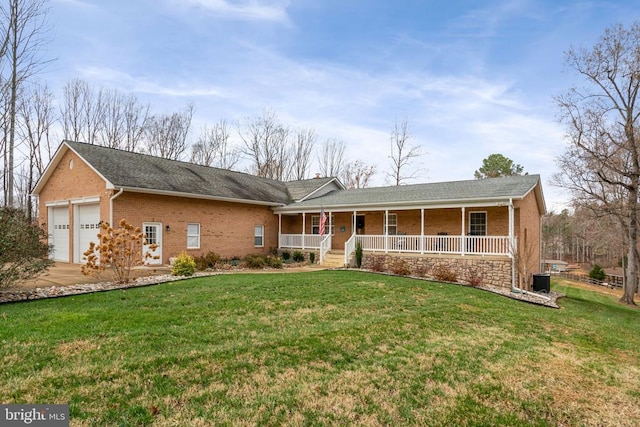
(493, 271)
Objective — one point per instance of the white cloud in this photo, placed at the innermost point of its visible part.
(249, 10)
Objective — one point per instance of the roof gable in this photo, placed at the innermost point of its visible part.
(306, 188)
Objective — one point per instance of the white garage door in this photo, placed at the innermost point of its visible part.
(87, 227)
(60, 233)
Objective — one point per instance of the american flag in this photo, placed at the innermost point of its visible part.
(323, 221)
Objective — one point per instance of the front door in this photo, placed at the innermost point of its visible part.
(153, 232)
(359, 224)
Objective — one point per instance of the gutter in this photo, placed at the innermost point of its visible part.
(111, 205)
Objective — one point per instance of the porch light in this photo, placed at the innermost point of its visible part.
(167, 228)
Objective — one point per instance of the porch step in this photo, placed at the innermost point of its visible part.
(333, 259)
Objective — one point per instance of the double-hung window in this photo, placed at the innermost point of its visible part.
(478, 223)
(392, 224)
(258, 236)
(328, 226)
(193, 236)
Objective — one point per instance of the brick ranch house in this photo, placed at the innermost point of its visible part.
(491, 226)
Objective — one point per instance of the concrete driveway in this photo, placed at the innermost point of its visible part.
(66, 274)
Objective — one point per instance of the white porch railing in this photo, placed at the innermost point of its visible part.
(300, 241)
(325, 246)
(458, 245)
(454, 245)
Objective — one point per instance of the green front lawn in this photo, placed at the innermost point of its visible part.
(323, 348)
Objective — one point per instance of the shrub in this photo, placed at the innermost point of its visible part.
(274, 262)
(119, 248)
(23, 251)
(597, 273)
(286, 255)
(474, 278)
(443, 273)
(254, 261)
(401, 268)
(183, 265)
(210, 260)
(312, 257)
(298, 256)
(358, 254)
(377, 263)
(421, 270)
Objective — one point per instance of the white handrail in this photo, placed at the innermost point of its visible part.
(325, 246)
(349, 247)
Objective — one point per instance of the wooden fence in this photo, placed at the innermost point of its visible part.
(609, 281)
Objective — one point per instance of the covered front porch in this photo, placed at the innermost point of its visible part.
(459, 231)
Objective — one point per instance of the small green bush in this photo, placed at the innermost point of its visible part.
(183, 265)
(359, 254)
(298, 256)
(286, 255)
(312, 257)
(597, 273)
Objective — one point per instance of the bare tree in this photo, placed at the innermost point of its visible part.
(357, 174)
(123, 120)
(331, 157)
(403, 154)
(82, 112)
(166, 135)
(265, 144)
(26, 30)
(214, 149)
(304, 142)
(602, 125)
(36, 118)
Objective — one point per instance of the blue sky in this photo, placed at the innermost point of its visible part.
(473, 77)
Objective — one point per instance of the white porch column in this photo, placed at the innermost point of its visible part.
(462, 233)
(279, 229)
(421, 230)
(353, 222)
(386, 230)
(304, 227)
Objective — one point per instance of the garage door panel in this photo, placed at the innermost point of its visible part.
(87, 228)
(60, 233)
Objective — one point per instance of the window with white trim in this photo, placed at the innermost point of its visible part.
(392, 224)
(328, 226)
(258, 236)
(193, 236)
(478, 223)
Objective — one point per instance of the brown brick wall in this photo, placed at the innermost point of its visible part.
(67, 183)
(225, 228)
(528, 226)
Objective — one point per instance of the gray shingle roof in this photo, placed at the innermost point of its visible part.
(134, 170)
(432, 193)
(300, 189)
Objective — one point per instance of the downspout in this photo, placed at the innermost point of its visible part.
(111, 199)
(514, 249)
